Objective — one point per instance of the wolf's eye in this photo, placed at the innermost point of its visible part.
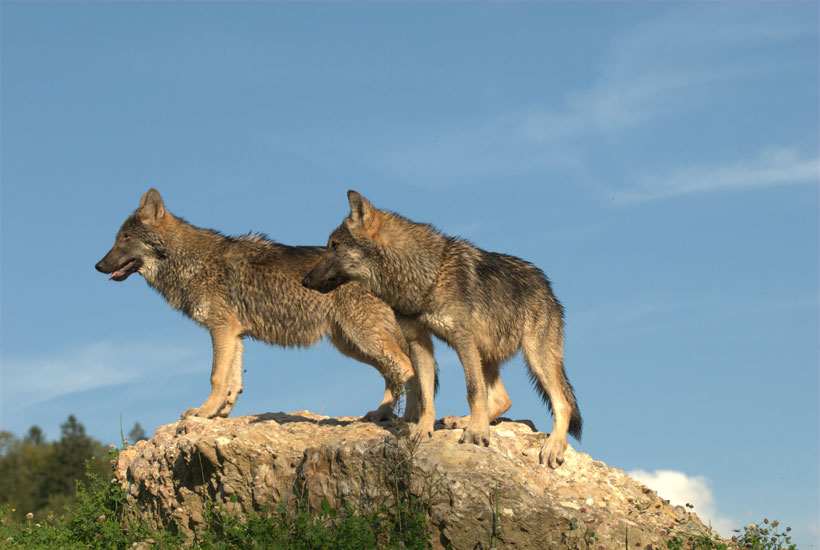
(126, 236)
(334, 245)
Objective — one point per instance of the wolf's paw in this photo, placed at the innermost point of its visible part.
(476, 437)
(191, 412)
(197, 412)
(224, 411)
(456, 422)
(421, 431)
(382, 414)
(552, 453)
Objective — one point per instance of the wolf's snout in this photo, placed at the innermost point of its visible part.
(119, 272)
(314, 282)
(306, 282)
(324, 279)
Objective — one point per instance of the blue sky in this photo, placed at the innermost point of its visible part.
(658, 161)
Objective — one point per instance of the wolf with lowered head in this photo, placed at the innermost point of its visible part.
(485, 305)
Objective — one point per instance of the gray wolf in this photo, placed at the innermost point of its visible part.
(485, 305)
(250, 286)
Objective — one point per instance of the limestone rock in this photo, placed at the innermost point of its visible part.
(269, 459)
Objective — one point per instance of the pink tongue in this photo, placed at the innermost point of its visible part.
(121, 270)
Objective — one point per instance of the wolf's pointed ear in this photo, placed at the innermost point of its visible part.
(362, 212)
(151, 209)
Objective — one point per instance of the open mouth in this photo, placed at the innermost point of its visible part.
(125, 270)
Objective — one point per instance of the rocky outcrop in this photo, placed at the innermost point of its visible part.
(275, 458)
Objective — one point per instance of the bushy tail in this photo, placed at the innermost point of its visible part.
(576, 423)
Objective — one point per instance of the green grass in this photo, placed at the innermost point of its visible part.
(302, 529)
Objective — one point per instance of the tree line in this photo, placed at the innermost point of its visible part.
(39, 477)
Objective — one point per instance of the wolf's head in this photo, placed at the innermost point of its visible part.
(139, 242)
(351, 250)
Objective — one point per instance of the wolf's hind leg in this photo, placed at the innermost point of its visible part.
(544, 354)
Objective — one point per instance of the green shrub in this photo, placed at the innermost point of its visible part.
(100, 518)
(765, 536)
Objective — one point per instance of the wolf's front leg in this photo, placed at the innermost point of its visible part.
(424, 364)
(234, 381)
(478, 429)
(227, 346)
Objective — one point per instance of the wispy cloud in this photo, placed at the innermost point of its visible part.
(772, 167)
(670, 65)
(672, 62)
(638, 313)
(680, 489)
(654, 312)
(34, 379)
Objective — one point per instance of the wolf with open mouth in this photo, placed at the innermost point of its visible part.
(251, 286)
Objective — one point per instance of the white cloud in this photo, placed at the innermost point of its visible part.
(680, 489)
(772, 167)
(34, 379)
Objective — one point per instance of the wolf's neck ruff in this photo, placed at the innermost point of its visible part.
(402, 279)
(174, 263)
